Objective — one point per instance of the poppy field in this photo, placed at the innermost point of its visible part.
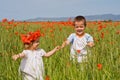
(103, 62)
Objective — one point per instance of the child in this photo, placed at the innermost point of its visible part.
(31, 66)
(79, 40)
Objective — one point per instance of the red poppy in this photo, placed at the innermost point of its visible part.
(102, 34)
(78, 51)
(118, 32)
(16, 33)
(42, 34)
(99, 66)
(31, 36)
(47, 78)
(4, 20)
(100, 27)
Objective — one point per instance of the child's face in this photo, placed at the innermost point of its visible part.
(35, 44)
(79, 27)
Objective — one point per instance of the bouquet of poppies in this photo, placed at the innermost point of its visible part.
(30, 37)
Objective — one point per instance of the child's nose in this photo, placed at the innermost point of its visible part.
(79, 28)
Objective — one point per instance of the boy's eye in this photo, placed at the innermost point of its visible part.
(79, 26)
(76, 26)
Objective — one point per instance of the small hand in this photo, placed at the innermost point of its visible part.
(61, 46)
(57, 48)
(90, 44)
(14, 57)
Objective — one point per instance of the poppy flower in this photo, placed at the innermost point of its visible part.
(31, 36)
(47, 78)
(102, 34)
(78, 51)
(16, 33)
(118, 32)
(99, 66)
(4, 20)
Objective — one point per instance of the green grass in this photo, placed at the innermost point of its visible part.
(59, 67)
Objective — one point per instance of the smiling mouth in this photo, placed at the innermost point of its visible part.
(79, 30)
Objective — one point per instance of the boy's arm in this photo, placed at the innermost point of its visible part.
(90, 41)
(65, 43)
(90, 44)
(52, 51)
(16, 56)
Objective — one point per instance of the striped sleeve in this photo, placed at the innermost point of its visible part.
(89, 38)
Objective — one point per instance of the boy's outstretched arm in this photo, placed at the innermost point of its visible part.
(90, 44)
(52, 51)
(65, 43)
(16, 56)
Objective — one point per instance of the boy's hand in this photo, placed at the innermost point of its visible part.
(57, 48)
(15, 57)
(65, 43)
(90, 44)
(62, 46)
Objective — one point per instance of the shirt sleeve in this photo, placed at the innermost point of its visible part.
(42, 52)
(25, 52)
(89, 38)
(71, 37)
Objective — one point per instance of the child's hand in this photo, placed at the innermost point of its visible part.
(90, 44)
(63, 45)
(52, 51)
(15, 57)
(57, 48)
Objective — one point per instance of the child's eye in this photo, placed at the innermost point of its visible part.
(37, 41)
(76, 26)
(79, 26)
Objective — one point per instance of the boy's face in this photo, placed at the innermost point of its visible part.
(79, 27)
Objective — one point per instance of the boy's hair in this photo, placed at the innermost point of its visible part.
(79, 18)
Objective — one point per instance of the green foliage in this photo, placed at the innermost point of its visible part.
(59, 67)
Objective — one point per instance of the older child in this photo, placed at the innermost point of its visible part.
(31, 66)
(79, 40)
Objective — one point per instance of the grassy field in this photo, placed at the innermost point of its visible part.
(103, 63)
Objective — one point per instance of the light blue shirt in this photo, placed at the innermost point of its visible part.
(87, 36)
(78, 46)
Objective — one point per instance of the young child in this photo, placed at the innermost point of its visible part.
(31, 66)
(79, 40)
